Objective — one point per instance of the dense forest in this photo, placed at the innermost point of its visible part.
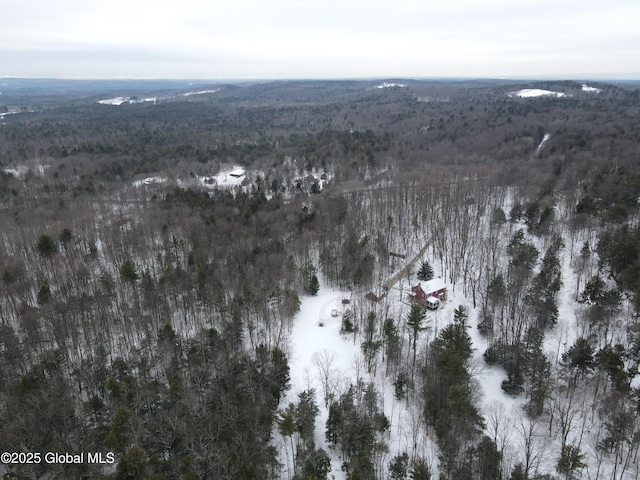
(170, 254)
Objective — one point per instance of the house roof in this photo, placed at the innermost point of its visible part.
(433, 285)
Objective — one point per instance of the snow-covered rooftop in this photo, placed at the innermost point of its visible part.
(433, 285)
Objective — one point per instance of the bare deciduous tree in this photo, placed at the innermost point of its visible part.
(324, 361)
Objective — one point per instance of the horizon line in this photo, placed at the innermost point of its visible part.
(533, 77)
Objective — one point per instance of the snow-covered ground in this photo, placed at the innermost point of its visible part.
(310, 344)
(20, 171)
(121, 100)
(390, 85)
(225, 178)
(149, 181)
(586, 88)
(202, 92)
(4, 114)
(545, 139)
(114, 101)
(127, 99)
(536, 92)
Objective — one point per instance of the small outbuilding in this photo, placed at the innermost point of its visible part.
(372, 297)
(237, 172)
(432, 303)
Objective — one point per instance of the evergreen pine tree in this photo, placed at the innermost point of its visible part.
(580, 357)
(460, 315)
(420, 470)
(65, 236)
(426, 272)
(287, 424)
(128, 271)
(306, 413)
(134, 463)
(314, 285)
(585, 252)
(316, 465)
(44, 294)
(46, 245)
(347, 323)
(398, 467)
(415, 322)
(518, 473)
(311, 283)
(570, 461)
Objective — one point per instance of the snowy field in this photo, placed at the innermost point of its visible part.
(124, 100)
(149, 181)
(230, 177)
(536, 92)
(309, 341)
(202, 92)
(586, 88)
(391, 85)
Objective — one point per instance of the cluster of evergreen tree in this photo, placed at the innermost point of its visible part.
(356, 426)
(298, 421)
(184, 408)
(449, 407)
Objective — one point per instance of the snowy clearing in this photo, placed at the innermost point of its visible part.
(122, 100)
(225, 178)
(202, 92)
(316, 344)
(545, 139)
(2, 115)
(149, 181)
(586, 88)
(308, 342)
(391, 84)
(21, 170)
(536, 92)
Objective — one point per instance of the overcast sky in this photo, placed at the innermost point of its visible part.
(217, 39)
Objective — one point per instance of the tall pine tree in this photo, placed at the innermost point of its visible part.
(415, 322)
(426, 272)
